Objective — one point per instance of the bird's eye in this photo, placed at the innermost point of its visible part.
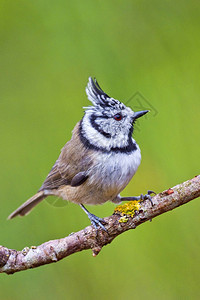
(118, 117)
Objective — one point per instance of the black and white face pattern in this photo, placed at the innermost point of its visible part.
(108, 124)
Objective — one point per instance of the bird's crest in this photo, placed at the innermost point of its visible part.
(95, 94)
(98, 97)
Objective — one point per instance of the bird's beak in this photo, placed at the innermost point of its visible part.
(139, 114)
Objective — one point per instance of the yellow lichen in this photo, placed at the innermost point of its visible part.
(123, 219)
(127, 209)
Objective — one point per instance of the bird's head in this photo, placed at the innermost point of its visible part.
(108, 123)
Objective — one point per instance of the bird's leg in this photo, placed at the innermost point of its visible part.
(95, 221)
(140, 198)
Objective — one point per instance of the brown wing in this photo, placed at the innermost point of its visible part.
(74, 158)
(54, 179)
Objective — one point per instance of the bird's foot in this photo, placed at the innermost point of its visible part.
(147, 197)
(142, 197)
(97, 222)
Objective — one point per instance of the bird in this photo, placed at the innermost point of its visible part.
(99, 160)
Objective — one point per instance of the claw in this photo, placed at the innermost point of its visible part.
(148, 196)
(151, 192)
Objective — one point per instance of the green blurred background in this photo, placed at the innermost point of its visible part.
(48, 49)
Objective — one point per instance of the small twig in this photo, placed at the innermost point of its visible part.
(12, 261)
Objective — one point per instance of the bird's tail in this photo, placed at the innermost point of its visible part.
(26, 207)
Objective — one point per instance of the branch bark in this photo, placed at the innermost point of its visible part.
(12, 261)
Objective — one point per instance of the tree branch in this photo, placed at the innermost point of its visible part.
(12, 261)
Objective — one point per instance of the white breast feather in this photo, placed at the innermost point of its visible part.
(113, 171)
